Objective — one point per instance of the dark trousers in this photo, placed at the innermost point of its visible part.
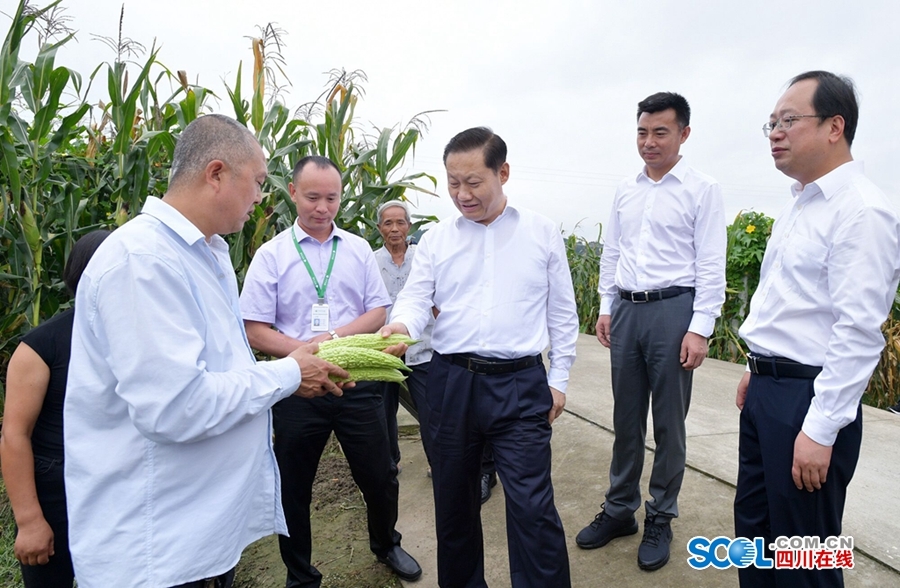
(766, 503)
(302, 428)
(487, 461)
(394, 397)
(416, 383)
(390, 395)
(645, 348)
(462, 412)
(51, 492)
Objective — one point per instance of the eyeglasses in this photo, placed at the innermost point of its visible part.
(786, 121)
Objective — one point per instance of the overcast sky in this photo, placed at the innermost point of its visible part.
(559, 81)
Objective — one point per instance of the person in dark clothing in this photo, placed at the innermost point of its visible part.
(31, 445)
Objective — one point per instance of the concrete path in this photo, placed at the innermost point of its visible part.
(582, 444)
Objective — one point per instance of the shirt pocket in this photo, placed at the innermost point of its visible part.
(804, 263)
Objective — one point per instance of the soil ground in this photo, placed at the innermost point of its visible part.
(340, 539)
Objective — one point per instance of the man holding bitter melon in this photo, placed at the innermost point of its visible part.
(499, 276)
(316, 283)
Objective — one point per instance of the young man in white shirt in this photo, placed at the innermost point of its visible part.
(662, 285)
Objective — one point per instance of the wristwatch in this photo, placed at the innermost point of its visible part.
(333, 334)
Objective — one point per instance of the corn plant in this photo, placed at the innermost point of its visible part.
(746, 244)
(10, 573)
(584, 264)
(368, 168)
(68, 167)
(38, 200)
(884, 387)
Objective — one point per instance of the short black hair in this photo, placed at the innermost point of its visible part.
(834, 95)
(477, 138)
(319, 161)
(79, 257)
(663, 101)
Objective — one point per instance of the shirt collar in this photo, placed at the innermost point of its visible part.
(832, 182)
(301, 234)
(508, 211)
(678, 171)
(177, 222)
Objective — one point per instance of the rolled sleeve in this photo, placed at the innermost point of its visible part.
(259, 296)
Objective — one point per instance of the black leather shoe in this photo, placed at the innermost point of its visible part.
(402, 563)
(604, 529)
(654, 550)
(488, 481)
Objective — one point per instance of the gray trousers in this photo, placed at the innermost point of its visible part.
(645, 344)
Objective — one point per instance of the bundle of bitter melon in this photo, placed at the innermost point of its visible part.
(363, 357)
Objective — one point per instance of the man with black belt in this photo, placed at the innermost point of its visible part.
(314, 282)
(662, 285)
(828, 280)
(395, 261)
(500, 279)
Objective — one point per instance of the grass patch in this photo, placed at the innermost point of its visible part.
(10, 574)
(340, 536)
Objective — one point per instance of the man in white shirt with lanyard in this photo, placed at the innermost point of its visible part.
(827, 283)
(662, 285)
(315, 282)
(169, 468)
(499, 277)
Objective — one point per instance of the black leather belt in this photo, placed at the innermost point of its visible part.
(654, 295)
(781, 367)
(492, 367)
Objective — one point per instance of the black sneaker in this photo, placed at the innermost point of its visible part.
(654, 550)
(488, 481)
(604, 529)
(895, 409)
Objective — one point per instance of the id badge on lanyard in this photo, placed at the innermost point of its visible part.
(319, 319)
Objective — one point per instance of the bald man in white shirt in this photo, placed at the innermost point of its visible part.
(169, 466)
(662, 285)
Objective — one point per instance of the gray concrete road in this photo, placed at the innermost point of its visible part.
(582, 444)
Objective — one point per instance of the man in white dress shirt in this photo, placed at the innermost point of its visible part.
(499, 277)
(169, 468)
(662, 285)
(827, 283)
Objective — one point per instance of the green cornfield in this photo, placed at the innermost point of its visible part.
(70, 165)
